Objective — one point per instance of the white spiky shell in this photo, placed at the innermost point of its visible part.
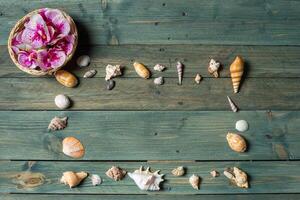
(232, 105)
(147, 180)
(58, 123)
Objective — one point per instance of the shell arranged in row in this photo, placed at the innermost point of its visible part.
(236, 72)
(72, 147)
(213, 68)
(58, 123)
(62, 101)
(116, 173)
(141, 70)
(195, 181)
(66, 78)
(236, 142)
(112, 71)
(232, 105)
(179, 67)
(73, 178)
(238, 177)
(178, 171)
(89, 74)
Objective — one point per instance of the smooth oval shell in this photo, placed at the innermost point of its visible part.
(66, 78)
(236, 72)
(72, 147)
(62, 101)
(141, 70)
(83, 61)
(89, 74)
(241, 125)
(236, 142)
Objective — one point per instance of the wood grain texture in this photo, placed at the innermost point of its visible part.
(261, 61)
(253, 22)
(150, 135)
(265, 177)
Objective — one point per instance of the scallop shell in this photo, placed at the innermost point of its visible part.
(241, 125)
(179, 67)
(96, 180)
(83, 61)
(113, 71)
(195, 181)
(159, 81)
(198, 78)
(89, 74)
(213, 68)
(58, 123)
(147, 180)
(236, 72)
(72, 147)
(159, 67)
(232, 105)
(179, 171)
(73, 178)
(236, 142)
(214, 173)
(116, 173)
(238, 177)
(66, 78)
(141, 70)
(62, 101)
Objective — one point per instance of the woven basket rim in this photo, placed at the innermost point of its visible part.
(20, 25)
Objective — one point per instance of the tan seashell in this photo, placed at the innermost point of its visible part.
(179, 171)
(141, 70)
(96, 179)
(238, 177)
(214, 173)
(195, 181)
(58, 123)
(236, 72)
(72, 147)
(233, 107)
(116, 173)
(236, 142)
(198, 78)
(213, 68)
(66, 78)
(73, 178)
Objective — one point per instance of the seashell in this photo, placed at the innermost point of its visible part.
(89, 74)
(141, 70)
(96, 180)
(198, 78)
(179, 171)
(113, 71)
(159, 67)
(241, 125)
(159, 81)
(72, 147)
(213, 68)
(83, 61)
(58, 123)
(147, 180)
(236, 72)
(179, 67)
(66, 78)
(62, 101)
(195, 181)
(214, 173)
(116, 173)
(232, 105)
(236, 142)
(73, 178)
(238, 177)
(110, 84)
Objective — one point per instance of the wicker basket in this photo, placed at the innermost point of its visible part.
(20, 26)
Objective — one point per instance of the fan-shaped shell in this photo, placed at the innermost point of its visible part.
(66, 78)
(236, 142)
(72, 147)
(236, 72)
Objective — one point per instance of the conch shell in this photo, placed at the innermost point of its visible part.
(116, 173)
(73, 178)
(233, 107)
(112, 71)
(66, 78)
(141, 70)
(146, 180)
(237, 176)
(58, 123)
(213, 68)
(236, 72)
(179, 67)
(179, 171)
(72, 147)
(195, 181)
(236, 142)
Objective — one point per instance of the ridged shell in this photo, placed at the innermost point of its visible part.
(236, 142)
(198, 78)
(238, 177)
(72, 147)
(178, 171)
(213, 68)
(89, 74)
(236, 72)
(73, 178)
(159, 81)
(233, 107)
(179, 68)
(62, 101)
(141, 70)
(58, 123)
(195, 181)
(66, 78)
(116, 173)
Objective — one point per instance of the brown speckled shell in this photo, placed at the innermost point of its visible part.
(66, 78)
(236, 142)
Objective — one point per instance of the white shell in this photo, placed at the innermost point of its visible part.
(179, 171)
(96, 180)
(146, 180)
(214, 173)
(89, 74)
(58, 123)
(195, 181)
(159, 81)
(232, 105)
(241, 125)
(83, 61)
(159, 67)
(214, 65)
(112, 71)
(62, 101)
(179, 67)
(198, 78)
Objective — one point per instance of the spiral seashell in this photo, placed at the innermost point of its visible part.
(159, 81)
(116, 173)
(72, 147)
(58, 123)
(232, 105)
(178, 171)
(89, 74)
(73, 178)
(213, 68)
(62, 101)
(66, 78)
(198, 78)
(141, 70)
(237, 176)
(236, 72)
(195, 181)
(179, 67)
(236, 142)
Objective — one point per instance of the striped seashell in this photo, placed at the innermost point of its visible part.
(236, 72)
(58, 123)
(72, 147)
(232, 105)
(179, 67)
(89, 74)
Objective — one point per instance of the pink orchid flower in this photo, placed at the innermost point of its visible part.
(27, 59)
(50, 59)
(66, 44)
(18, 45)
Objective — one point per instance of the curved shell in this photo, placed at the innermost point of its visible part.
(141, 70)
(96, 179)
(233, 107)
(179, 171)
(72, 147)
(66, 78)
(236, 72)
(73, 178)
(195, 181)
(58, 123)
(236, 142)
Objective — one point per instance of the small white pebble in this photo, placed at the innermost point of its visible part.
(62, 101)
(241, 125)
(96, 180)
(83, 61)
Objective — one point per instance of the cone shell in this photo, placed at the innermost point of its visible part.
(236, 142)
(233, 107)
(66, 78)
(179, 67)
(72, 147)
(195, 181)
(73, 178)
(236, 72)
(141, 70)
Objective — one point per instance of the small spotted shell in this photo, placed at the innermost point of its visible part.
(72, 147)
(236, 142)
(66, 78)
(141, 70)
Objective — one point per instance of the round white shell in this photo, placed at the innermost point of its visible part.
(83, 61)
(241, 125)
(62, 101)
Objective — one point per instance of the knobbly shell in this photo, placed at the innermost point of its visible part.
(214, 173)
(159, 81)
(236, 142)
(113, 71)
(214, 67)
(159, 67)
(147, 180)
(233, 107)
(236, 72)
(83, 61)
(62, 101)
(96, 180)
(73, 178)
(195, 181)
(178, 171)
(116, 173)
(241, 125)
(89, 74)
(66, 78)
(198, 78)
(141, 70)
(58, 123)
(72, 147)
(110, 84)
(179, 67)
(238, 177)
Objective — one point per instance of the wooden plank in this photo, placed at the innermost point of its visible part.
(130, 135)
(253, 22)
(266, 177)
(140, 94)
(261, 61)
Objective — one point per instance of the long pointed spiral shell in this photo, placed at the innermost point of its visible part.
(232, 105)
(179, 67)
(236, 72)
